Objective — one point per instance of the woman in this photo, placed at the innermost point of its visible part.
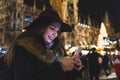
(38, 53)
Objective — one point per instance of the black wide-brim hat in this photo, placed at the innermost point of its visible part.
(47, 17)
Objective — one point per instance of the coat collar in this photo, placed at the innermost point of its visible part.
(36, 48)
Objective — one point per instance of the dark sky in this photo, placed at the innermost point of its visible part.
(96, 9)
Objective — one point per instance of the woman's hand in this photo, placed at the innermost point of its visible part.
(67, 63)
(77, 64)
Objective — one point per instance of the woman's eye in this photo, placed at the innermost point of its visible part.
(52, 28)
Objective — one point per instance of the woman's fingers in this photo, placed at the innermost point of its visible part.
(77, 62)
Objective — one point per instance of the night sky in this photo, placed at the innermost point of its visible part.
(96, 9)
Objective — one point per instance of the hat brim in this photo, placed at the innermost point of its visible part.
(43, 20)
(65, 27)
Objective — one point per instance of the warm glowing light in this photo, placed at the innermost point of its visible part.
(23, 30)
(103, 33)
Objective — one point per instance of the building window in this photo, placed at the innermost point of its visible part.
(29, 2)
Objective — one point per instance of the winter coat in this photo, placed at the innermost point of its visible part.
(33, 61)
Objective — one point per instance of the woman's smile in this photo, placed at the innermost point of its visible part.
(51, 38)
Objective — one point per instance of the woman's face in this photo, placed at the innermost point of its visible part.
(51, 32)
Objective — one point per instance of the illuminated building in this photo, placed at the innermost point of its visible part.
(4, 20)
(23, 12)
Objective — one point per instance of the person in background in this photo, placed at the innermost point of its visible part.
(38, 53)
(106, 64)
(117, 65)
(94, 64)
(117, 62)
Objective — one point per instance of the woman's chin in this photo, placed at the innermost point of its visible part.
(49, 41)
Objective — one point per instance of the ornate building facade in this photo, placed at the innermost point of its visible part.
(4, 20)
(23, 12)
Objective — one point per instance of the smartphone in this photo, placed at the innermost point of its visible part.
(78, 51)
